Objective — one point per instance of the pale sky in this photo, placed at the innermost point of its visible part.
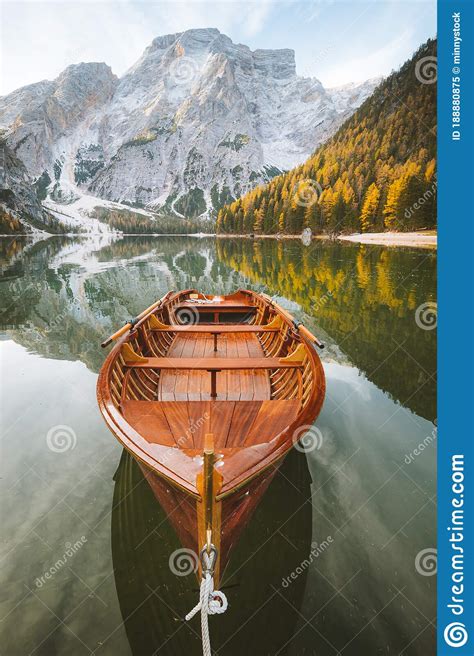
(334, 40)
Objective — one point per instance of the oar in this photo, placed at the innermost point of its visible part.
(131, 323)
(297, 324)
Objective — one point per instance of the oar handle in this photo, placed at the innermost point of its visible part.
(116, 335)
(297, 324)
(121, 331)
(304, 331)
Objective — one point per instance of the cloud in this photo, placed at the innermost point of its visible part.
(374, 64)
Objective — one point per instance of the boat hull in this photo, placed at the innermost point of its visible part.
(154, 598)
(231, 514)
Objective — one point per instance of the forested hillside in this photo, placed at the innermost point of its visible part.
(377, 173)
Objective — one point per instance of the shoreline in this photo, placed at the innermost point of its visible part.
(427, 239)
(411, 239)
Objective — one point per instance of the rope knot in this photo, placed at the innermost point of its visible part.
(217, 602)
(211, 602)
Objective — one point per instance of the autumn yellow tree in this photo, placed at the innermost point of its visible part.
(378, 171)
(393, 209)
(370, 208)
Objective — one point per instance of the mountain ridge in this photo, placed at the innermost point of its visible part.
(197, 121)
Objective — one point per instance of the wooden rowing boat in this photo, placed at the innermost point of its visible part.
(208, 394)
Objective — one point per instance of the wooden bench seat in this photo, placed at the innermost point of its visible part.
(216, 309)
(226, 306)
(214, 329)
(213, 364)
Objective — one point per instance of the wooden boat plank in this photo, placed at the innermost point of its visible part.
(179, 508)
(199, 413)
(182, 377)
(221, 420)
(222, 306)
(215, 329)
(149, 420)
(261, 381)
(176, 414)
(233, 377)
(196, 379)
(213, 364)
(272, 418)
(167, 382)
(247, 389)
(233, 423)
(243, 417)
(221, 380)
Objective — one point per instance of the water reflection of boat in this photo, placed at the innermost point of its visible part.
(153, 600)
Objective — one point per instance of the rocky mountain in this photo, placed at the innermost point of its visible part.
(19, 205)
(196, 122)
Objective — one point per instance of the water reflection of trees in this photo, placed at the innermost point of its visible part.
(363, 297)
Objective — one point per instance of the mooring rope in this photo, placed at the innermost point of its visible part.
(211, 602)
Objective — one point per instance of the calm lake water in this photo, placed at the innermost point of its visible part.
(333, 561)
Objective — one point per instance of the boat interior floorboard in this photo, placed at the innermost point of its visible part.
(231, 385)
(233, 424)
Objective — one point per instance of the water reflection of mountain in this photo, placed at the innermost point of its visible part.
(364, 298)
(61, 296)
(275, 543)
